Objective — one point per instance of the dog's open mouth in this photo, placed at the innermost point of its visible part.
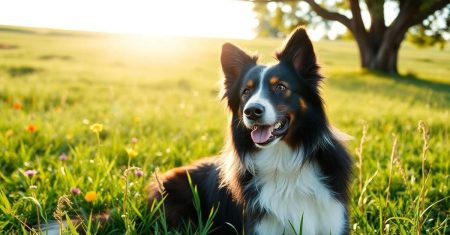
(264, 134)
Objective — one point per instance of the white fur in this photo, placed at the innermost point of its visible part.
(339, 135)
(270, 115)
(289, 190)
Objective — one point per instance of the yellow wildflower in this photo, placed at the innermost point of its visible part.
(96, 128)
(90, 196)
(69, 136)
(131, 152)
(136, 120)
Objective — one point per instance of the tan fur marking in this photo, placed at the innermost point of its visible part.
(288, 137)
(274, 80)
(250, 83)
(288, 93)
(303, 105)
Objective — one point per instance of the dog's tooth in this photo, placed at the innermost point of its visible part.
(277, 125)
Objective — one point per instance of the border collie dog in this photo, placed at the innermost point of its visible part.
(283, 168)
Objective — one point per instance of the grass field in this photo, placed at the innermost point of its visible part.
(164, 93)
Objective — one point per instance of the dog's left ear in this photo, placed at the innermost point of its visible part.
(234, 63)
(298, 52)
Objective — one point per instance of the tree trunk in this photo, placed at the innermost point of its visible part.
(378, 56)
(366, 56)
(382, 58)
(387, 54)
(378, 47)
(386, 61)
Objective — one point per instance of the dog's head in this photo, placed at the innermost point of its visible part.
(274, 103)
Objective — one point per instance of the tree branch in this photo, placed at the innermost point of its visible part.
(376, 11)
(424, 13)
(377, 25)
(322, 12)
(356, 16)
(408, 9)
(329, 15)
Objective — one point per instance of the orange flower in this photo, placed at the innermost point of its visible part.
(31, 128)
(17, 105)
(90, 196)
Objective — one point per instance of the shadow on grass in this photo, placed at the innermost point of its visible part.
(55, 57)
(405, 88)
(7, 46)
(50, 32)
(412, 79)
(21, 70)
(11, 29)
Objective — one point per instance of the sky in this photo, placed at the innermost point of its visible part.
(192, 18)
(213, 18)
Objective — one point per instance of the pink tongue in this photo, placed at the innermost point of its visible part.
(261, 134)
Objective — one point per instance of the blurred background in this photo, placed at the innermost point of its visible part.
(149, 73)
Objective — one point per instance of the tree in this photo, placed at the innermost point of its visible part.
(379, 43)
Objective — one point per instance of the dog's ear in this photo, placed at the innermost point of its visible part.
(234, 62)
(298, 52)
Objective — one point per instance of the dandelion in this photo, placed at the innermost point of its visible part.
(30, 173)
(90, 196)
(31, 128)
(139, 173)
(63, 157)
(17, 106)
(75, 191)
(131, 152)
(96, 128)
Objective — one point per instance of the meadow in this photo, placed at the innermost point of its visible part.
(157, 102)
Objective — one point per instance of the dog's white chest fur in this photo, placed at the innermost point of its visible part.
(289, 191)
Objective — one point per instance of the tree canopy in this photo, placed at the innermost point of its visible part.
(378, 26)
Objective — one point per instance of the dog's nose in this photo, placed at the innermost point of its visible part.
(254, 111)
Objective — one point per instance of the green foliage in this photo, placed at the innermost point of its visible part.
(164, 93)
(278, 19)
(431, 32)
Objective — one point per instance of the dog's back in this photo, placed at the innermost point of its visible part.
(179, 208)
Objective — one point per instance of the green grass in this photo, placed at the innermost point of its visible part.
(165, 93)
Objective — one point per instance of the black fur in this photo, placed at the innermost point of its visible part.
(298, 68)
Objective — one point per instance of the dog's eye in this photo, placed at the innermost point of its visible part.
(280, 88)
(245, 92)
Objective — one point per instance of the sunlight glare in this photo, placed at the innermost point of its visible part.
(199, 18)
